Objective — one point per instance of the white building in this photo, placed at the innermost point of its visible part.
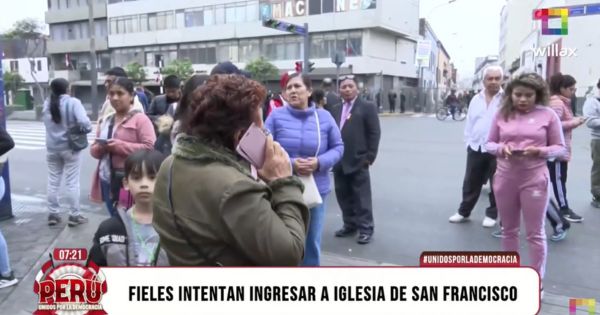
(583, 39)
(23, 66)
(513, 30)
(480, 64)
(379, 37)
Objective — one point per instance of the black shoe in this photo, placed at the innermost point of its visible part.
(8, 281)
(571, 216)
(53, 219)
(345, 232)
(75, 220)
(364, 239)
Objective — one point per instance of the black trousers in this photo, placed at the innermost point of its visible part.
(353, 192)
(558, 222)
(480, 166)
(558, 177)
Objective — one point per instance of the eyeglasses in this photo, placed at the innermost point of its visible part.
(347, 77)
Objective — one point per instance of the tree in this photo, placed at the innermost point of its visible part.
(30, 30)
(262, 70)
(12, 82)
(181, 68)
(136, 72)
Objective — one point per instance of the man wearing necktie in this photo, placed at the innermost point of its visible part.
(359, 125)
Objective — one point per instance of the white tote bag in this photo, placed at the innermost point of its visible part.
(312, 197)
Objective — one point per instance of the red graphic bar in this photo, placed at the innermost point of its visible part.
(470, 259)
(65, 254)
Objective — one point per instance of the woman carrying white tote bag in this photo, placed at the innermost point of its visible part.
(313, 141)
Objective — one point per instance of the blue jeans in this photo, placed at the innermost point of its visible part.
(312, 248)
(105, 187)
(4, 261)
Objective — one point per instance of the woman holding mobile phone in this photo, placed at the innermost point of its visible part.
(563, 89)
(118, 135)
(314, 143)
(209, 208)
(525, 123)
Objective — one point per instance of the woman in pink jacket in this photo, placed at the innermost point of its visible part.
(563, 88)
(524, 135)
(117, 136)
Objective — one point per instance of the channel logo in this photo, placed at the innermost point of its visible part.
(546, 14)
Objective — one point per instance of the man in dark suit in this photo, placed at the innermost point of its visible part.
(160, 104)
(359, 125)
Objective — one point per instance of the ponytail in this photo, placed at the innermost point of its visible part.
(58, 87)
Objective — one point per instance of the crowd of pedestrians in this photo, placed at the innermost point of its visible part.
(180, 188)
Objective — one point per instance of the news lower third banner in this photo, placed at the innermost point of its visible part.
(88, 289)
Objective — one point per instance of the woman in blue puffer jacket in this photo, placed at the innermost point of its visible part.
(295, 127)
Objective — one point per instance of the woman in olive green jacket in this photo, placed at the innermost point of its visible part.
(210, 206)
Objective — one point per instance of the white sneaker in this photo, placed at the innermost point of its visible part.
(458, 218)
(488, 222)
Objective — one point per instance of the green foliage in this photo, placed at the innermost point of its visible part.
(12, 81)
(136, 72)
(25, 29)
(262, 70)
(181, 68)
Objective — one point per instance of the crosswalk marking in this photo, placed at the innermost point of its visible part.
(31, 136)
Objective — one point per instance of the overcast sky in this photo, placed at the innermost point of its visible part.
(468, 28)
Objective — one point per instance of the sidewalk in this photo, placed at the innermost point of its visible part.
(30, 240)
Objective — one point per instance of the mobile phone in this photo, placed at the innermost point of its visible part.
(252, 146)
(518, 152)
(101, 141)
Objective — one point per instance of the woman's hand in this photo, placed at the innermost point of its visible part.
(506, 151)
(579, 121)
(532, 151)
(112, 144)
(277, 162)
(305, 167)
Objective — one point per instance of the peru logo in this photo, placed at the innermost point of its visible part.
(69, 289)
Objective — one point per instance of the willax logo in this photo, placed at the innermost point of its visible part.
(574, 303)
(547, 14)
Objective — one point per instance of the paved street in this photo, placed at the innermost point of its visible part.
(416, 187)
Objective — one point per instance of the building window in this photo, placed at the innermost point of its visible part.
(39, 65)
(14, 66)
(152, 22)
(194, 18)
(219, 14)
(354, 44)
(230, 14)
(249, 50)
(228, 51)
(292, 47)
(49, 5)
(252, 11)
(209, 16)
(314, 7)
(143, 22)
(328, 6)
(268, 48)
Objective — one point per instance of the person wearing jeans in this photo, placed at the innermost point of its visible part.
(314, 143)
(7, 277)
(61, 112)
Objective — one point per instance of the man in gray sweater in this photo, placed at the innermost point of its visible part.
(591, 112)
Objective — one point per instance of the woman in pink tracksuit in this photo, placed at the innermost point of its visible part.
(524, 135)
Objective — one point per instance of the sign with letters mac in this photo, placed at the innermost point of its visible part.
(277, 9)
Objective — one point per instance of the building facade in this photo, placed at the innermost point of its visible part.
(378, 37)
(28, 59)
(549, 54)
(480, 64)
(515, 25)
(69, 44)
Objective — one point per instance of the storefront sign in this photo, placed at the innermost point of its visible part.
(277, 9)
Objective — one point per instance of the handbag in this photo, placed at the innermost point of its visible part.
(76, 134)
(311, 195)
